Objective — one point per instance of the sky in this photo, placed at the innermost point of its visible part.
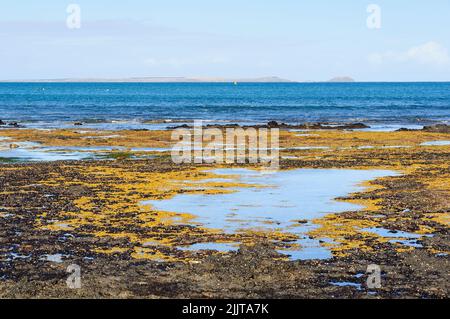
(294, 39)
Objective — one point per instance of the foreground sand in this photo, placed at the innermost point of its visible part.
(90, 211)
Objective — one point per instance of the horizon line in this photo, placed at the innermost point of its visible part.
(205, 79)
(190, 81)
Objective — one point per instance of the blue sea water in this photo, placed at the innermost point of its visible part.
(132, 105)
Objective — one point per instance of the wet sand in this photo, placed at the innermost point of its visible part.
(91, 213)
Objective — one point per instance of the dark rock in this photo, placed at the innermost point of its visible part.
(227, 126)
(438, 128)
(15, 124)
(275, 124)
(179, 126)
(358, 125)
(77, 123)
(341, 127)
(2, 123)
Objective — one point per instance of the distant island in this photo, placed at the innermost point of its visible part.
(342, 79)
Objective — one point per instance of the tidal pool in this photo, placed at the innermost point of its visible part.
(436, 143)
(34, 152)
(288, 201)
(404, 238)
(222, 247)
(39, 155)
(358, 286)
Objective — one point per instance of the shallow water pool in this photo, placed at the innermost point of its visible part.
(288, 202)
(436, 143)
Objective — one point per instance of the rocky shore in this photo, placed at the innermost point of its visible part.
(54, 214)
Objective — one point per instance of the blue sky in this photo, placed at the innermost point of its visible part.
(294, 39)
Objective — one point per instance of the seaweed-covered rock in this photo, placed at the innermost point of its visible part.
(438, 128)
(273, 124)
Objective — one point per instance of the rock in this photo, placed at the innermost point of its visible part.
(15, 124)
(2, 123)
(13, 146)
(358, 125)
(179, 126)
(273, 124)
(77, 123)
(350, 126)
(438, 128)
(227, 126)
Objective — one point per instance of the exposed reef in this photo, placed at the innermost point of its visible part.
(90, 212)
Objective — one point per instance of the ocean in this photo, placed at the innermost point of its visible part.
(153, 105)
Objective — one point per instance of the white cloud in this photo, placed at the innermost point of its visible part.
(430, 53)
